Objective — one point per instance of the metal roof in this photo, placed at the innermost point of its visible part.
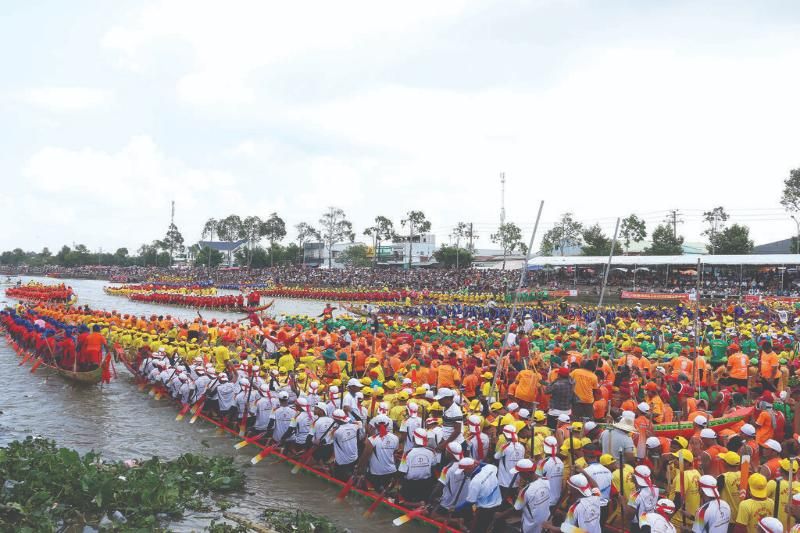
(222, 246)
(677, 260)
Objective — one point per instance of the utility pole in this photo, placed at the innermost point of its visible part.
(502, 198)
(471, 236)
(172, 213)
(672, 219)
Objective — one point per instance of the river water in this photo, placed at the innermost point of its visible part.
(122, 423)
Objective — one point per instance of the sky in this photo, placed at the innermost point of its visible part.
(111, 110)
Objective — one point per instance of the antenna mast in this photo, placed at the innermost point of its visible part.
(502, 198)
(172, 215)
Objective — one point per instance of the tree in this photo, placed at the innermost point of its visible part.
(632, 229)
(192, 252)
(716, 222)
(417, 224)
(173, 241)
(509, 238)
(208, 257)
(305, 233)
(274, 230)
(465, 231)
(595, 242)
(566, 232)
(210, 228)
(733, 240)
(252, 230)
(451, 256)
(664, 242)
(335, 228)
(355, 256)
(230, 228)
(293, 254)
(790, 199)
(383, 230)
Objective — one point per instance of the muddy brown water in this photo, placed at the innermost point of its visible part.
(122, 423)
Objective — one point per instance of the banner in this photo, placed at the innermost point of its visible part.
(752, 298)
(630, 295)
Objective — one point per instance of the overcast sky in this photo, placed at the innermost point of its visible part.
(110, 110)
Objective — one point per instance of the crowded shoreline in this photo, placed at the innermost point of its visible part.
(452, 386)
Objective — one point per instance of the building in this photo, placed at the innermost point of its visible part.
(228, 249)
(315, 254)
(783, 246)
(424, 245)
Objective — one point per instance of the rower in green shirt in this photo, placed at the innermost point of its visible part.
(719, 350)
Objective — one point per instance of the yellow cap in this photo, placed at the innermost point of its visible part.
(539, 416)
(785, 465)
(682, 442)
(730, 457)
(758, 485)
(606, 459)
(687, 455)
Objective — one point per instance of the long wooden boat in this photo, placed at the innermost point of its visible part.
(373, 496)
(91, 377)
(686, 429)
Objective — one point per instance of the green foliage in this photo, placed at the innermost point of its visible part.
(509, 238)
(203, 257)
(450, 256)
(664, 243)
(356, 256)
(51, 485)
(632, 229)
(716, 222)
(595, 242)
(790, 199)
(299, 522)
(566, 233)
(732, 240)
(335, 228)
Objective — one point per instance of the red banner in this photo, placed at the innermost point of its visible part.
(630, 295)
(562, 293)
(752, 298)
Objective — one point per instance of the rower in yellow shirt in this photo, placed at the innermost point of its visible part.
(691, 479)
(757, 506)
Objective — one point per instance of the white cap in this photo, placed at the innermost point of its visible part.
(382, 419)
(420, 436)
(466, 462)
(641, 474)
(412, 406)
(589, 426)
(339, 414)
(314, 385)
(770, 524)
(748, 430)
(665, 504)
(700, 420)
(524, 414)
(354, 383)
(513, 406)
(244, 382)
(333, 389)
(302, 402)
(708, 484)
(455, 449)
(563, 418)
(773, 445)
(708, 433)
(444, 393)
(661, 370)
(652, 442)
(782, 395)
(406, 381)
(550, 443)
(359, 395)
(643, 407)
(525, 465)
(264, 387)
(283, 395)
(581, 484)
(510, 428)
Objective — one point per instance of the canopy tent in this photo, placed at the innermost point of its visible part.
(672, 260)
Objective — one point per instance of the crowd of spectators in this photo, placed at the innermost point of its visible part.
(716, 282)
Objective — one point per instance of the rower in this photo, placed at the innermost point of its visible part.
(282, 416)
(478, 443)
(658, 521)
(533, 499)
(551, 468)
(714, 515)
(408, 426)
(226, 398)
(345, 445)
(417, 465)
(244, 402)
(377, 459)
(452, 484)
(264, 406)
(322, 434)
(483, 492)
(507, 457)
(585, 513)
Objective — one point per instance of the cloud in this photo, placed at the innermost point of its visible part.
(125, 195)
(67, 99)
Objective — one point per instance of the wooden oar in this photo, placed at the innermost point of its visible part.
(262, 454)
(249, 440)
(197, 411)
(36, 365)
(377, 501)
(343, 493)
(182, 412)
(25, 359)
(408, 517)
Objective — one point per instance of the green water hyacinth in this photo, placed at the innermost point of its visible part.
(46, 488)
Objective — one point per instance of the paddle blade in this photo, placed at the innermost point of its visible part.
(302, 460)
(24, 359)
(343, 493)
(194, 417)
(182, 413)
(372, 507)
(408, 517)
(261, 455)
(242, 428)
(35, 365)
(240, 445)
